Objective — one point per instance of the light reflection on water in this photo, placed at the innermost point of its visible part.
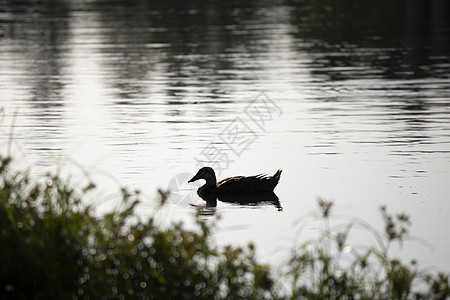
(139, 92)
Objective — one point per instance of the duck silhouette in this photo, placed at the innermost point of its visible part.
(261, 183)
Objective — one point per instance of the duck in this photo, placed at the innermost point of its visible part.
(260, 183)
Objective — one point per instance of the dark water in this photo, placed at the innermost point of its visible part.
(354, 101)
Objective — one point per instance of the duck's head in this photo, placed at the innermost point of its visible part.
(205, 173)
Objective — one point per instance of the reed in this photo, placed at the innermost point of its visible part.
(332, 267)
(54, 246)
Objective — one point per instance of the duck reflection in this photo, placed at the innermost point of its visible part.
(255, 199)
(250, 200)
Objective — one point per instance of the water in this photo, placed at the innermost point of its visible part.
(144, 93)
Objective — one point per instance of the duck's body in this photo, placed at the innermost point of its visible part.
(233, 185)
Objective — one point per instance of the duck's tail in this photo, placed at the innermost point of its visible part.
(276, 177)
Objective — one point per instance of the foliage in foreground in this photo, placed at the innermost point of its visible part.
(53, 246)
(330, 268)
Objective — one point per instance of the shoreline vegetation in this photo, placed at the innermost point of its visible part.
(54, 246)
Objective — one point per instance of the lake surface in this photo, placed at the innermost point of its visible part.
(351, 100)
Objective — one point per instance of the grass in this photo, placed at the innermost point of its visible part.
(319, 270)
(54, 246)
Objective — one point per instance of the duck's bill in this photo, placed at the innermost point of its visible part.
(196, 177)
